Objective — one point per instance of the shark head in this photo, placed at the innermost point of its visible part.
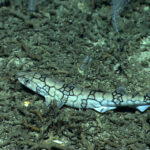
(33, 81)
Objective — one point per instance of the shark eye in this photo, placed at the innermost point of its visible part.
(26, 81)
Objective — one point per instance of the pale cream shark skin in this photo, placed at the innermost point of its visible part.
(72, 96)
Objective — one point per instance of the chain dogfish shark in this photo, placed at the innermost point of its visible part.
(72, 96)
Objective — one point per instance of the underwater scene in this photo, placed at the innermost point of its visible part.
(74, 75)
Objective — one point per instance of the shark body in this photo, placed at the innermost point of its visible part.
(72, 96)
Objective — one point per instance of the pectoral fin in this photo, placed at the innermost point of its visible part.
(50, 101)
(142, 108)
(103, 109)
(60, 104)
